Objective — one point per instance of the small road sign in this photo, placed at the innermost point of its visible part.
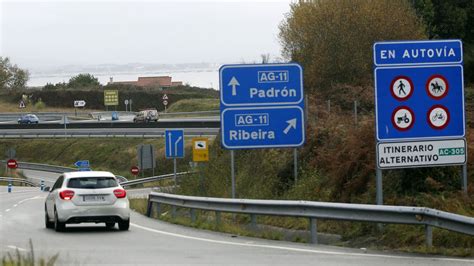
(262, 106)
(421, 153)
(134, 170)
(174, 143)
(419, 90)
(200, 150)
(111, 97)
(82, 164)
(165, 97)
(12, 164)
(165, 102)
(22, 104)
(79, 103)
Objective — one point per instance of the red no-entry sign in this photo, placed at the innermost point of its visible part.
(134, 170)
(12, 164)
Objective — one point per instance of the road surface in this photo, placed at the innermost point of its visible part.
(151, 241)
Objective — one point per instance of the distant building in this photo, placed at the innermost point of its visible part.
(160, 81)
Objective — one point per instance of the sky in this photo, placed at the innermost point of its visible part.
(38, 34)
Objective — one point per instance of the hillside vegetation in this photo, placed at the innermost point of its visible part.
(194, 105)
(115, 155)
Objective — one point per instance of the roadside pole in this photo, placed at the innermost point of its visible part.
(65, 136)
(379, 186)
(295, 163)
(232, 170)
(174, 169)
(464, 177)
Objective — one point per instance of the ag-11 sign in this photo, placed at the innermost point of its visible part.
(262, 106)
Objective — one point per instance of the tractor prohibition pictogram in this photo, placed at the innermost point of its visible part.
(403, 118)
(437, 87)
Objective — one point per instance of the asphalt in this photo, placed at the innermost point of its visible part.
(153, 242)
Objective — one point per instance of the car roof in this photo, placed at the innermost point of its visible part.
(88, 174)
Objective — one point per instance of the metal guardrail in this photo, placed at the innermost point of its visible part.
(42, 167)
(216, 112)
(151, 179)
(319, 210)
(18, 180)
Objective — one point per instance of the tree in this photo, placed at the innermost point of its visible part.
(11, 76)
(333, 39)
(83, 80)
(450, 19)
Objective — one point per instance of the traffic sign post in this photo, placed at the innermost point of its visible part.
(419, 105)
(134, 170)
(12, 164)
(200, 150)
(82, 165)
(174, 146)
(165, 101)
(262, 106)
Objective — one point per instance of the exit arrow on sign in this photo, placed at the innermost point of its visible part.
(291, 124)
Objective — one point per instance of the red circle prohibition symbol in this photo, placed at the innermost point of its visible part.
(432, 118)
(12, 164)
(412, 88)
(134, 170)
(397, 120)
(430, 91)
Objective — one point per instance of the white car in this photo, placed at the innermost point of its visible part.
(87, 197)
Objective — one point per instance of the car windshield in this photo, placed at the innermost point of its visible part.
(92, 182)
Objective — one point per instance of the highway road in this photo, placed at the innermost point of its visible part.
(154, 242)
(150, 241)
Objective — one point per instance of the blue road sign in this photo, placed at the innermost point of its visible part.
(422, 99)
(262, 106)
(174, 143)
(254, 127)
(82, 164)
(271, 84)
(418, 52)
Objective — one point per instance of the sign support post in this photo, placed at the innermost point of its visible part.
(464, 177)
(379, 186)
(232, 172)
(295, 163)
(174, 171)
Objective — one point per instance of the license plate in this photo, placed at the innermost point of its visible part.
(94, 198)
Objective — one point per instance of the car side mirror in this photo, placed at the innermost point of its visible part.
(46, 189)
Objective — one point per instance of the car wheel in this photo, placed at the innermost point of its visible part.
(48, 223)
(124, 225)
(58, 226)
(109, 225)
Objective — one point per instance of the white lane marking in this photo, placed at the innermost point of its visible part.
(7, 210)
(15, 205)
(15, 247)
(296, 249)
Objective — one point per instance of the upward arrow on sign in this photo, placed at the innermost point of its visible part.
(233, 82)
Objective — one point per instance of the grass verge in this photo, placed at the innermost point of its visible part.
(27, 259)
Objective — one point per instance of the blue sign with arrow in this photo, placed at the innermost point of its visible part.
(174, 143)
(252, 85)
(254, 127)
(82, 164)
(262, 106)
